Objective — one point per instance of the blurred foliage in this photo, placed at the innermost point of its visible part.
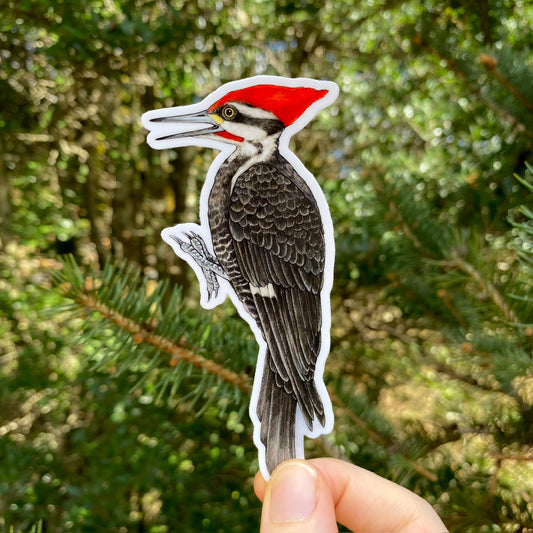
(424, 160)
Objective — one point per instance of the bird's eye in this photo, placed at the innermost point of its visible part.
(229, 112)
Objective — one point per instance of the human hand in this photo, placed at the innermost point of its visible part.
(312, 496)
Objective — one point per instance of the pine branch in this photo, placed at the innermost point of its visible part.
(146, 318)
(415, 218)
(522, 221)
(452, 308)
(140, 335)
(490, 63)
(380, 438)
(495, 106)
(436, 44)
(451, 373)
(513, 457)
(409, 233)
(374, 435)
(485, 285)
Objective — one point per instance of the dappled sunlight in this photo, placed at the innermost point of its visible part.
(122, 402)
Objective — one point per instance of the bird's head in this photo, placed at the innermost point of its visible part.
(250, 110)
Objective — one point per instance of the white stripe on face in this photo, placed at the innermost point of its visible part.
(253, 112)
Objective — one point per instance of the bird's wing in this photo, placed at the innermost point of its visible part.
(279, 242)
(279, 222)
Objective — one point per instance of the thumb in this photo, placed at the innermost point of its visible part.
(297, 500)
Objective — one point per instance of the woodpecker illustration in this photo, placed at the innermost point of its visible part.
(266, 240)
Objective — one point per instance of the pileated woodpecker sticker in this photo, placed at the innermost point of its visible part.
(265, 239)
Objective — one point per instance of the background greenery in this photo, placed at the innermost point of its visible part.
(123, 406)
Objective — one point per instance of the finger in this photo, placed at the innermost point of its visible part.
(296, 500)
(260, 486)
(365, 501)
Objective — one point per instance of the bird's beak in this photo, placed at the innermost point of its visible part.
(182, 126)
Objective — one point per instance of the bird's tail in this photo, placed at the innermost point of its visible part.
(276, 410)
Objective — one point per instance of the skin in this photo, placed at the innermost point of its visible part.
(312, 496)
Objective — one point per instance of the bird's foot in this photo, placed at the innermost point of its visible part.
(209, 264)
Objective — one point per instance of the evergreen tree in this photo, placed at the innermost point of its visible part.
(124, 404)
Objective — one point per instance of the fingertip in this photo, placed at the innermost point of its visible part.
(296, 500)
(260, 486)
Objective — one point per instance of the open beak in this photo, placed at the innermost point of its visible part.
(181, 126)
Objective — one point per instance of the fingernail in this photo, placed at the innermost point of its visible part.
(293, 493)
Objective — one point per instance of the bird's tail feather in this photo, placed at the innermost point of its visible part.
(277, 412)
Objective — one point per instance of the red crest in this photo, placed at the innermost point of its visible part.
(287, 103)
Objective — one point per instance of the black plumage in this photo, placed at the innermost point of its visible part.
(268, 236)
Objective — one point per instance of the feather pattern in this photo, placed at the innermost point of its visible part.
(279, 241)
(268, 236)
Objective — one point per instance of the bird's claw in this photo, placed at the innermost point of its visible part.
(197, 249)
(212, 284)
(199, 245)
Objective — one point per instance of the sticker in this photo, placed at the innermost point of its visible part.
(265, 239)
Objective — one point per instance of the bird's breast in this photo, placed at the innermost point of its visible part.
(218, 214)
